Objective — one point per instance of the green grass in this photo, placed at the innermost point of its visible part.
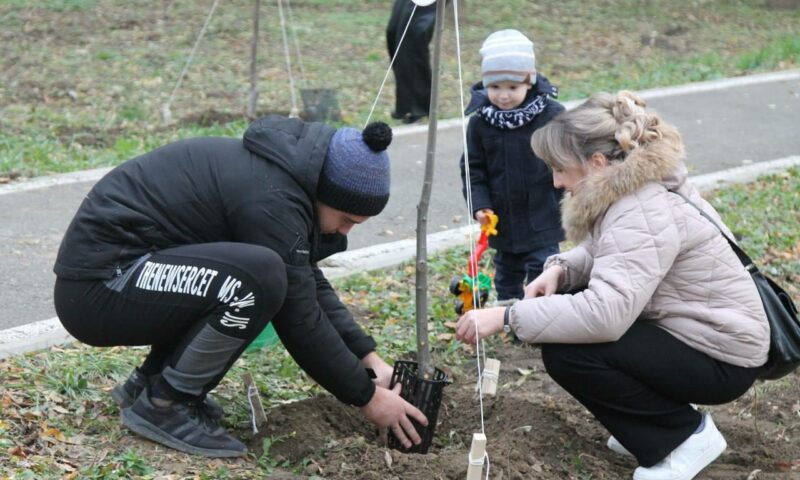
(780, 52)
(765, 216)
(87, 79)
(54, 5)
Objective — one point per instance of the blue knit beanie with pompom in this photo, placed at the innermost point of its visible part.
(356, 175)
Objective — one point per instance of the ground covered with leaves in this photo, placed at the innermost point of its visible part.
(57, 419)
(83, 83)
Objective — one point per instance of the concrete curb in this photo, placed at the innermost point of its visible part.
(49, 332)
(33, 336)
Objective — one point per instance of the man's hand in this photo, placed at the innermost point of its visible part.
(382, 370)
(546, 283)
(489, 321)
(482, 216)
(387, 409)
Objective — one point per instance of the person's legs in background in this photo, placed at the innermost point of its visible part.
(534, 261)
(412, 65)
(509, 275)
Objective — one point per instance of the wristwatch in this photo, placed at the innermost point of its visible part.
(506, 325)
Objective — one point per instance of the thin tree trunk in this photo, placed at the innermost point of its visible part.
(252, 103)
(426, 369)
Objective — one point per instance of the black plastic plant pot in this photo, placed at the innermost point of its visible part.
(425, 394)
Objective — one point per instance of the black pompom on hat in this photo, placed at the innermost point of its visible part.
(356, 175)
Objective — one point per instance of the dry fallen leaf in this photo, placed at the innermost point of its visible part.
(7, 400)
(17, 452)
(53, 435)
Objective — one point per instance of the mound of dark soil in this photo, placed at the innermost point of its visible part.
(535, 430)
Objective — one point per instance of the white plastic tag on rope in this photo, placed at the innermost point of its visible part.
(424, 3)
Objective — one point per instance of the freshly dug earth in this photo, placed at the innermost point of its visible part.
(535, 430)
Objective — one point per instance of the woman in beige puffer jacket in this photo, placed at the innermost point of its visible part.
(652, 311)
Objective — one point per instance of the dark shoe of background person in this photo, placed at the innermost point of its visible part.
(126, 393)
(397, 116)
(409, 118)
(182, 426)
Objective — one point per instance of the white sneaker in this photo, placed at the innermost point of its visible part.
(616, 447)
(691, 456)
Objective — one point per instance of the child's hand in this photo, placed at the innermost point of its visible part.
(546, 283)
(482, 216)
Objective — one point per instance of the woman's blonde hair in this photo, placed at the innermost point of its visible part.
(611, 124)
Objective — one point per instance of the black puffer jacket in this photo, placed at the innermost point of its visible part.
(507, 177)
(259, 190)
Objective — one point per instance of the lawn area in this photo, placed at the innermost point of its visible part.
(57, 419)
(83, 82)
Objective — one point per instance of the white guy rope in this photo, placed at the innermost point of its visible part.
(480, 374)
(468, 182)
(396, 51)
(478, 343)
(165, 109)
(296, 43)
(295, 111)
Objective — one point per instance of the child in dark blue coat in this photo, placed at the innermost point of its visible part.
(506, 177)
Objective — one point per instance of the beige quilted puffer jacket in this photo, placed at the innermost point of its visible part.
(646, 255)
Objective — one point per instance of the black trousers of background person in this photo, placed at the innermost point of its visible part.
(412, 67)
(641, 386)
(514, 270)
(198, 306)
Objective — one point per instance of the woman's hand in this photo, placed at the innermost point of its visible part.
(387, 409)
(489, 320)
(482, 216)
(546, 283)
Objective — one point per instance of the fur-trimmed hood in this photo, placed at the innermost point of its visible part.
(658, 161)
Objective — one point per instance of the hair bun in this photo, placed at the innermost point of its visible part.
(377, 136)
(628, 106)
(636, 126)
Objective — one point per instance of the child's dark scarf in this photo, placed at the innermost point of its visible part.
(534, 103)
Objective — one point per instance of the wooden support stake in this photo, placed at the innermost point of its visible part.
(255, 400)
(491, 373)
(476, 457)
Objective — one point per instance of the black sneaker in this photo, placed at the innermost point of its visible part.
(126, 393)
(182, 426)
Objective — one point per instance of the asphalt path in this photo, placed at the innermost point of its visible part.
(723, 126)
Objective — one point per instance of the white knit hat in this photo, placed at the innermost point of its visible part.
(507, 55)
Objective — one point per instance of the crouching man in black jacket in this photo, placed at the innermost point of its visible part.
(194, 247)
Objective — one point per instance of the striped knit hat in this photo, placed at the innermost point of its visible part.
(507, 55)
